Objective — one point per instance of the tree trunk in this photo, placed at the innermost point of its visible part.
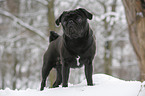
(141, 36)
(51, 27)
(13, 7)
(135, 15)
(108, 57)
(3, 77)
(108, 44)
(51, 17)
(14, 81)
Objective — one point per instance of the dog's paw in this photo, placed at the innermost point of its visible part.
(90, 84)
(64, 85)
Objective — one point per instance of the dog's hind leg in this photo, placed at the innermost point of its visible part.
(45, 72)
(59, 76)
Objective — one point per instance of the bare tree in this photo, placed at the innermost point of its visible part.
(13, 6)
(135, 14)
(50, 15)
(108, 43)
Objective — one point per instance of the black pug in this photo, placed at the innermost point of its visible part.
(77, 40)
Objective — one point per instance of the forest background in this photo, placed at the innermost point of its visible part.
(24, 37)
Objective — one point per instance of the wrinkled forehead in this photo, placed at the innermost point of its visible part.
(72, 13)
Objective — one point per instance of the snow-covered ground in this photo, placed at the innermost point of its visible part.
(104, 85)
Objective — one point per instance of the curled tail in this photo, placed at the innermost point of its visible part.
(53, 36)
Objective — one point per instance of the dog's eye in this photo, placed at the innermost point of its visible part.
(79, 19)
(64, 23)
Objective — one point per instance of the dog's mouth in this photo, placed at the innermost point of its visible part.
(75, 36)
(73, 32)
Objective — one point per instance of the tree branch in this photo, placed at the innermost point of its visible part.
(23, 24)
(44, 2)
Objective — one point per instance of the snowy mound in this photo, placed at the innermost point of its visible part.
(104, 85)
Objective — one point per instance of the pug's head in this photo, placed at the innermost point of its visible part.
(74, 22)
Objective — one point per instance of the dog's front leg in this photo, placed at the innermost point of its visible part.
(65, 73)
(88, 72)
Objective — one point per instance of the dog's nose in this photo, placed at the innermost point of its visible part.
(70, 21)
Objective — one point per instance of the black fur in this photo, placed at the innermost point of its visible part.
(53, 36)
(77, 40)
(143, 3)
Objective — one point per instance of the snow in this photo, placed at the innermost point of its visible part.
(104, 85)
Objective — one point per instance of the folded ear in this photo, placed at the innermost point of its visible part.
(86, 13)
(59, 19)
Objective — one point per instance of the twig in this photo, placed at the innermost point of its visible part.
(140, 90)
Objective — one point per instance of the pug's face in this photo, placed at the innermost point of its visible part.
(74, 22)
